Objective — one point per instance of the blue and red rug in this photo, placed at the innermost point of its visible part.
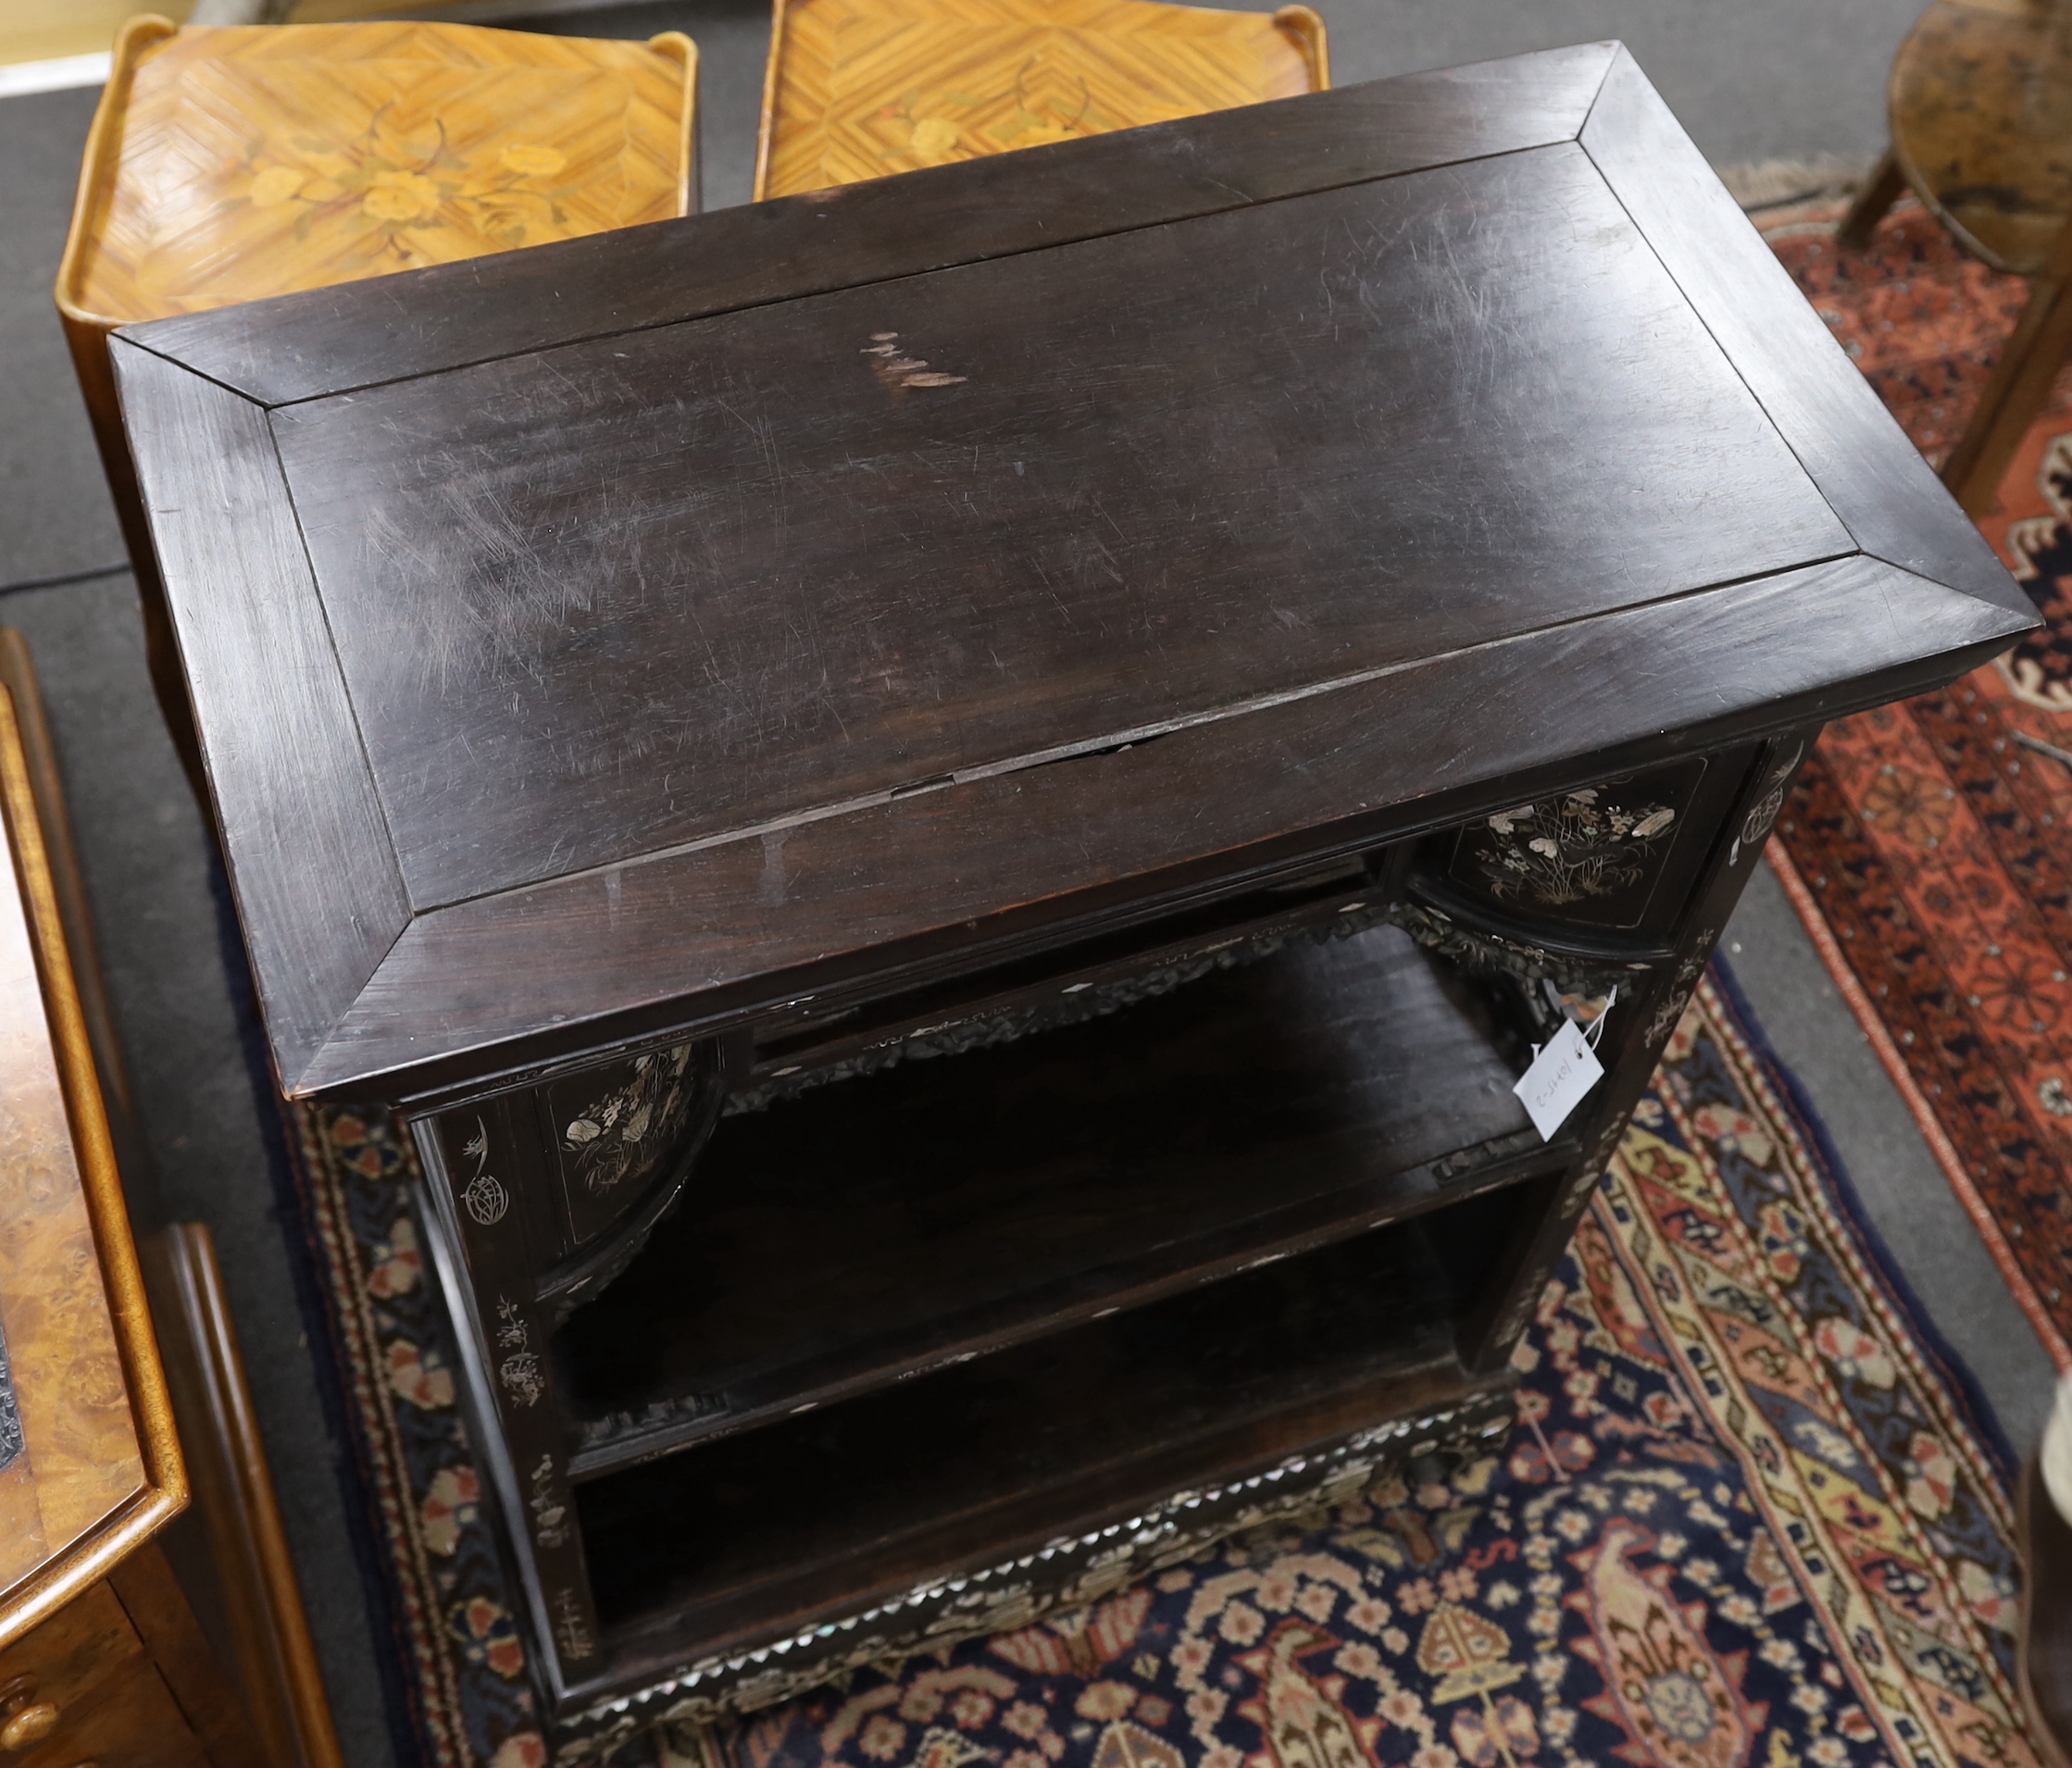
(1925, 845)
(1752, 1517)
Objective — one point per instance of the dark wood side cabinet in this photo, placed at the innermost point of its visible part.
(953, 806)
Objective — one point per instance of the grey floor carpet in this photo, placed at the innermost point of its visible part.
(1755, 80)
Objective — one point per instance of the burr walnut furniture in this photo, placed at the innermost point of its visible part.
(1981, 131)
(234, 162)
(1023, 750)
(856, 89)
(110, 1403)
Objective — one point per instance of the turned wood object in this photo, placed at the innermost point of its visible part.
(1980, 109)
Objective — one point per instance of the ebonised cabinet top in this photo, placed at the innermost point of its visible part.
(627, 632)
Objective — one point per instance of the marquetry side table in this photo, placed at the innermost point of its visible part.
(234, 163)
(122, 1396)
(856, 89)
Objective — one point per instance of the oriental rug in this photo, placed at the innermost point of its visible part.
(1926, 844)
(1752, 1516)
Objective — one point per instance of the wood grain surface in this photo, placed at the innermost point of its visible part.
(186, 1668)
(333, 340)
(912, 886)
(236, 163)
(88, 1640)
(829, 590)
(283, 745)
(858, 90)
(1840, 429)
(1981, 118)
(254, 1578)
(579, 622)
(80, 1459)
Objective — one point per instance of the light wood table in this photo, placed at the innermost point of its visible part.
(857, 89)
(121, 1397)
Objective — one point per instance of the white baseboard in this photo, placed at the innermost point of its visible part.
(54, 75)
(63, 71)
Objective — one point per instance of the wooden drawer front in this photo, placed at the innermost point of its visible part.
(75, 1650)
(129, 1720)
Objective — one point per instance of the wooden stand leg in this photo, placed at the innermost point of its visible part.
(486, 1267)
(1885, 186)
(1632, 1048)
(2013, 395)
(495, 1207)
(275, 1658)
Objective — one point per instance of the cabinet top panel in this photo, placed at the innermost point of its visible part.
(689, 582)
(601, 628)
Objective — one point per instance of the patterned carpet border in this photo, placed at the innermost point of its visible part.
(1880, 1268)
(1924, 1114)
(1925, 846)
(1752, 1517)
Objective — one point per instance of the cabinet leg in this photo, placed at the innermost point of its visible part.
(501, 1327)
(1632, 1047)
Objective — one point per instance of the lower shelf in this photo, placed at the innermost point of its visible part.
(733, 1542)
(883, 1226)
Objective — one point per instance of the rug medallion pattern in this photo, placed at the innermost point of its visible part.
(1749, 1519)
(1926, 845)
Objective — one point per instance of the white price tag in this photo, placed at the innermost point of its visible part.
(1566, 1068)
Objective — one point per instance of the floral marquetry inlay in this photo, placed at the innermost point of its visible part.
(861, 90)
(254, 162)
(1565, 849)
(1593, 855)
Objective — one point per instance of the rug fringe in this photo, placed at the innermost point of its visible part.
(1925, 1119)
(1775, 183)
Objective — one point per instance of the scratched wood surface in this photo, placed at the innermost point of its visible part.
(232, 164)
(740, 604)
(854, 581)
(857, 89)
(77, 1457)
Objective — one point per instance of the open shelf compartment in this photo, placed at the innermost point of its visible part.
(773, 1529)
(875, 1228)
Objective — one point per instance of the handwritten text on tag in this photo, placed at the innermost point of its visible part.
(1566, 1068)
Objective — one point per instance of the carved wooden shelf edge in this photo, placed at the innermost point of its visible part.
(1085, 1568)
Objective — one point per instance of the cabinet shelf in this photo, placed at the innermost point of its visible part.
(772, 1529)
(874, 1228)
